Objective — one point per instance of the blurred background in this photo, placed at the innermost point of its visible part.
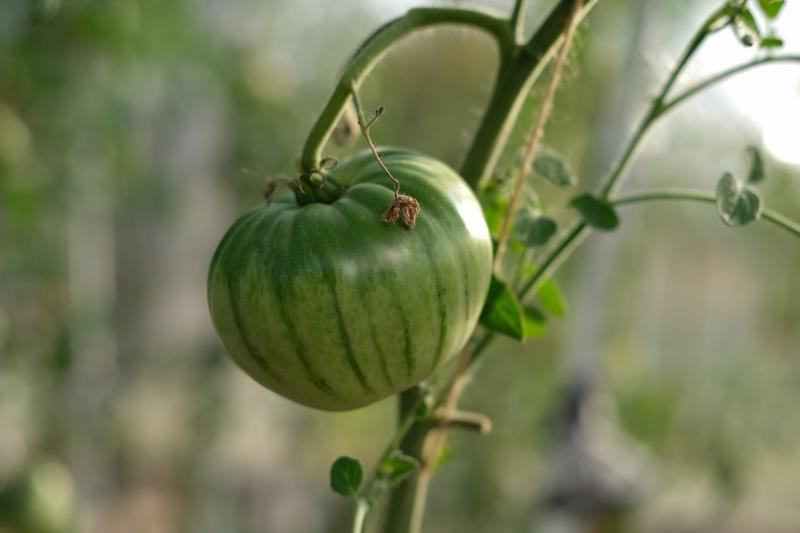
(132, 133)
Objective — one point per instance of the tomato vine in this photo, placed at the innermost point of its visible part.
(426, 412)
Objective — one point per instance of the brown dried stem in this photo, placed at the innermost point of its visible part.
(404, 208)
(535, 137)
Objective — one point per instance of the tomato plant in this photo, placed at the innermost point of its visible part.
(321, 300)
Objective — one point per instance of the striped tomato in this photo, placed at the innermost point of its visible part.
(333, 308)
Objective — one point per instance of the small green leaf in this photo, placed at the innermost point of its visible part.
(502, 311)
(550, 166)
(756, 163)
(535, 230)
(771, 42)
(535, 323)
(737, 203)
(346, 476)
(596, 212)
(551, 298)
(722, 17)
(445, 456)
(397, 467)
(494, 209)
(771, 8)
(424, 408)
(746, 28)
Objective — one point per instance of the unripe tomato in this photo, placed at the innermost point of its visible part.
(330, 306)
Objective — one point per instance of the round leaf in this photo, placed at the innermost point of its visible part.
(346, 476)
(596, 212)
(536, 230)
(737, 203)
(550, 166)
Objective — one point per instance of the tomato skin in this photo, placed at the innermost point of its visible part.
(331, 307)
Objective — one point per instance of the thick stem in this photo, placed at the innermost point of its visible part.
(518, 72)
(407, 504)
(375, 47)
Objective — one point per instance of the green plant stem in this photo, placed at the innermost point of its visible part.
(534, 137)
(725, 74)
(706, 197)
(513, 83)
(611, 183)
(360, 520)
(375, 47)
(518, 71)
(407, 503)
(519, 68)
(518, 19)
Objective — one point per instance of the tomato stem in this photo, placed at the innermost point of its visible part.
(535, 137)
(376, 46)
(519, 69)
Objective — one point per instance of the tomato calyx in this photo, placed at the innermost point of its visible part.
(316, 187)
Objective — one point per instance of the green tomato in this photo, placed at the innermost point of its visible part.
(330, 306)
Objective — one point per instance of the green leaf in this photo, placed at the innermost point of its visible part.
(771, 8)
(756, 164)
(722, 17)
(535, 323)
(502, 311)
(596, 212)
(551, 298)
(771, 42)
(534, 230)
(552, 167)
(398, 466)
(445, 456)
(346, 476)
(737, 203)
(746, 28)
(494, 209)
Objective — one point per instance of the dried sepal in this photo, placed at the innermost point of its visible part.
(405, 209)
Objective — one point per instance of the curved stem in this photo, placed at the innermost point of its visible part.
(611, 182)
(721, 76)
(693, 195)
(376, 46)
(518, 19)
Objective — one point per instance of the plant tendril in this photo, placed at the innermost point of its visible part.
(403, 207)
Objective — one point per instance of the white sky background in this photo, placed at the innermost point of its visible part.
(769, 96)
